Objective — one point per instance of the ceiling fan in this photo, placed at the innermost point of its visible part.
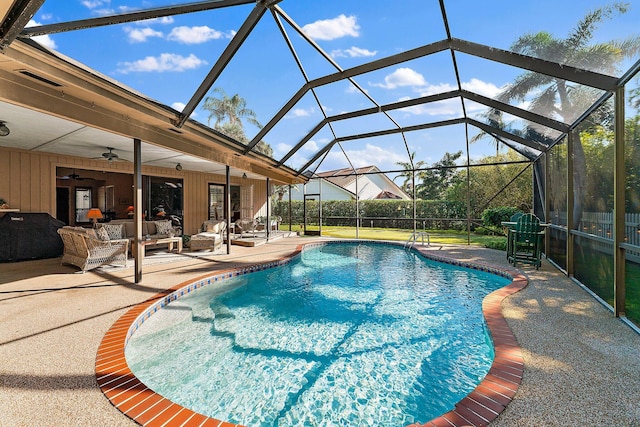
(74, 176)
(110, 156)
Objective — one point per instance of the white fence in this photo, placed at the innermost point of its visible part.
(601, 224)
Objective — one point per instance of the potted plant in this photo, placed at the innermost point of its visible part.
(3, 204)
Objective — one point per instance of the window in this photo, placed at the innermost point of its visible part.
(216, 201)
(83, 204)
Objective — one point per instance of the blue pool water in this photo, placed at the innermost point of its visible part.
(350, 334)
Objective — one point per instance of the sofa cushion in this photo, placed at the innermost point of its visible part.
(114, 231)
(102, 234)
(149, 227)
(163, 227)
(212, 226)
(129, 230)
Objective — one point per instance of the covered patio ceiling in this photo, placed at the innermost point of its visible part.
(321, 106)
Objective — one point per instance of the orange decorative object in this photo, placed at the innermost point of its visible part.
(94, 214)
(130, 209)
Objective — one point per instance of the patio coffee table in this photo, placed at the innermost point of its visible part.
(168, 240)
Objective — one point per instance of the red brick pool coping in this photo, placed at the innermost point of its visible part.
(129, 395)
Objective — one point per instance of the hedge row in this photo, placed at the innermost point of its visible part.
(430, 214)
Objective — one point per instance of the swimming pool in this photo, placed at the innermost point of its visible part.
(352, 334)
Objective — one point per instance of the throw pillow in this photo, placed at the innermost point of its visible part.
(163, 227)
(101, 234)
(213, 227)
(113, 230)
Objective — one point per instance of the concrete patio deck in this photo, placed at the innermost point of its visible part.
(581, 363)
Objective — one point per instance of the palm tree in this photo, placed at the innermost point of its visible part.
(409, 172)
(228, 113)
(437, 179)
(560, 98)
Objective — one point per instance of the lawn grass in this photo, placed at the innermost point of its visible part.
(436, 236)
(632, 281)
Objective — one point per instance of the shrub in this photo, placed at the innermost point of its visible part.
(501, 245)
(492, 217)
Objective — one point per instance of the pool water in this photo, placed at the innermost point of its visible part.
(351, 334)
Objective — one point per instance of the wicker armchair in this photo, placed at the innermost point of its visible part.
(247, 225)
(210, 236)
(85, 251)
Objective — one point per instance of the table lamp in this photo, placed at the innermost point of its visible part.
(94, 214)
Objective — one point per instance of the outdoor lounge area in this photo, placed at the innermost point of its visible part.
(186, 154)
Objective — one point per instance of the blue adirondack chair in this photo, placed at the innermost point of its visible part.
(526, 241)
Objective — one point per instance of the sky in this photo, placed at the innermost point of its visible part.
(166, 59)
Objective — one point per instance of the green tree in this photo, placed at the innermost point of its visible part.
(229, 112)
(487, 183)
(556, 97)
(437, 180)
(409, 172)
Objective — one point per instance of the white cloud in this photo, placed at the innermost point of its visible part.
(282, 149)
(353, 52)
(302, 155)
(164, 20)
(452, 107)
(370, 155)
(127, 9)
(105, 11)
(139, 35)
(351, 88)
(164, 62)
(194, 35)
(330, 29)
(178, 105)
(402, 77)
(299, 112)
(483, 88)
(93, 4)
(312, 146)
(439, 88)
(44, 40)
(447, 107)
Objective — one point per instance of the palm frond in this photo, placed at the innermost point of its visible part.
(583, 32)
(523, 85)
(546, 102)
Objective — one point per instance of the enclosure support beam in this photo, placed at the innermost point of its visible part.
(413, 196)
(137, 204)
(357, 210)
(290, 209)
(619, 207)
(267, 225)
(547, 204)
(320, 206)
(570, 203)
(227, 206)
(466, 130)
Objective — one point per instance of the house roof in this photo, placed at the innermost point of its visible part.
(387, 195)
(346, 176)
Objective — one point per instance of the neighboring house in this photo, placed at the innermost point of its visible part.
(341, 185)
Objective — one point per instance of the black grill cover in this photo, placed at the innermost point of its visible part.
(29, 236)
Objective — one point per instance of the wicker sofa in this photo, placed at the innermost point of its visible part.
(125, 229)
(86, 251)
